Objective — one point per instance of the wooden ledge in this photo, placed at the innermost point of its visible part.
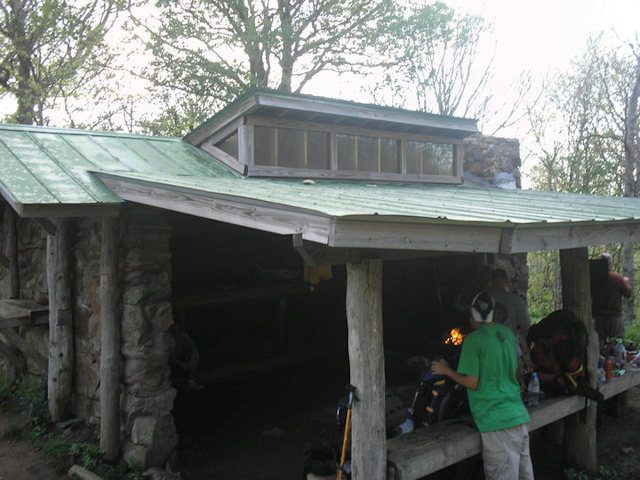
(433, 448)
(16, 313)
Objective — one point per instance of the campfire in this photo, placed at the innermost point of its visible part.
(455, 337)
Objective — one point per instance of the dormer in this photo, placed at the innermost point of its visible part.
(271, 134)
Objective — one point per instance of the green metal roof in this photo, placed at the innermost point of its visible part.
(45, 167)
(419, 203)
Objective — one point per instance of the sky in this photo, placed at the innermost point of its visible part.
(541, 36)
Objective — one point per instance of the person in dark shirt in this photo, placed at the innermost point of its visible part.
(607, 302)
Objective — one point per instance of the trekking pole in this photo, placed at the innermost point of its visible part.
(347, 430)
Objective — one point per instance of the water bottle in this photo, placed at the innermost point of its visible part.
(533, 391)
(620, 354)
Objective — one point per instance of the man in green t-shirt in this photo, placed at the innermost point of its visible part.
(487, 368)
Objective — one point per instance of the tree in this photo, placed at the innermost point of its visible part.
(586, 129)
(48, 49)
(433, 64)
(206, 52)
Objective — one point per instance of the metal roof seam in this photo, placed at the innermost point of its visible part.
(78, 151)
(62, 167)
(30, 171)
(90, 137)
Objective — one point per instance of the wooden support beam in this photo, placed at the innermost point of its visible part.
(109, 343)
(4, 261)
(11, 250)
(366, 361)
(60, 375)
(26, 348)
(580, 429)
(47, 225)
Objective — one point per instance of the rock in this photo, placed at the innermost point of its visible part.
(136, 456)
(158, 434)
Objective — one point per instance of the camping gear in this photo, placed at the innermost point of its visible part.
(347, 431)
(558, 346)
(437, 398)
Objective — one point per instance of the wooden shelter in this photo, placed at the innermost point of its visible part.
(349, 183)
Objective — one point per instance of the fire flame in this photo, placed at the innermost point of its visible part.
(455, 337)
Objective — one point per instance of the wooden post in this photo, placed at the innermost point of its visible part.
(61, 350)
(11, 241)
(580, 428)
(366, 360)
(109, 343)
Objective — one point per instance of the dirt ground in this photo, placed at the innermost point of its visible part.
(20, 460)
(259, 430)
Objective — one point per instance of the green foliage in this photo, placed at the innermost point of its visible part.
(206, 52)
(88, 454)
(544, 272)
(603, 473)
(57, 447)
(31, 396)
(633, 332)
(49, 49)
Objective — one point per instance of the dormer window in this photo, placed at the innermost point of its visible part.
(275, 135)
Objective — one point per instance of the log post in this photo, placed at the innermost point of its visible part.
(11, 242)
(109, 343)
(366, 361)
(60, 374)
(580, 428)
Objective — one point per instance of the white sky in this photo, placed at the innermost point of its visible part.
(541, 36)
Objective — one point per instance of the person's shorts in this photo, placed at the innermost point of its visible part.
(505, 454)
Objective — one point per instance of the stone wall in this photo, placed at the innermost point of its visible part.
(148, 432)
(484, 158)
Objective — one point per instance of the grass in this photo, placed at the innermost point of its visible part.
(60, 443)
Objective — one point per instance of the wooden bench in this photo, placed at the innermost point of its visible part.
(430, 449)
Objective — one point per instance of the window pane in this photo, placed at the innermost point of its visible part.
(389, 159)
(318, 150)
(230, 145)
(415, 153)
(367, 154)
(441, 160)
(265, 146)
(346, 152)
(424, 158)
(290, 148)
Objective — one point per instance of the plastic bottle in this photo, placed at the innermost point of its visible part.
(601, 375)
(620, 354)
(533, 390)
(608, 368)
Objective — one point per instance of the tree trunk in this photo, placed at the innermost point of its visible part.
(286, 60)
(580, 429)
(109, 343)
(26, 97)
(61, 350)
(366, 361)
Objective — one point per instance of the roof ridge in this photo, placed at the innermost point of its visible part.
(80, 131)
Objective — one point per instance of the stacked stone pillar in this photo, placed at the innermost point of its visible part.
(148, 396)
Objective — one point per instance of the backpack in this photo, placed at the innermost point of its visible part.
(437, 398)
(558, 349)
